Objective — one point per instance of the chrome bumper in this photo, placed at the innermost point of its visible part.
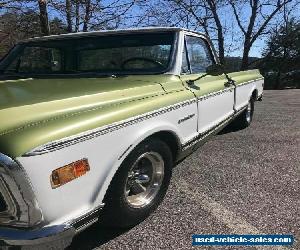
(54, 237)
(48, 237)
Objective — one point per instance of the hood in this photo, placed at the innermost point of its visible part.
(27, 103)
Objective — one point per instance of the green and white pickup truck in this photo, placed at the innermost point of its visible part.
(91, 125)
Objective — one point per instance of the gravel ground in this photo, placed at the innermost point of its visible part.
(241, 182)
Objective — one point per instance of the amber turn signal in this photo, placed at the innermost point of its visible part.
(69, 172)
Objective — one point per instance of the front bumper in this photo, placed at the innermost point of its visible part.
(53, 237)
(48, 237)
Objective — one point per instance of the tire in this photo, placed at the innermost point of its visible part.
(126, 203)
(245, 118)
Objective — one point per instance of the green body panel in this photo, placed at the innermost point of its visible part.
(36, 111)
(245, 76)
(205, 85)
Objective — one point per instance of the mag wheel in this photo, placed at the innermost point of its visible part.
(245, 118)
(139, 185)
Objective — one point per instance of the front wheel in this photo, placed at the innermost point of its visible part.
(139, 185)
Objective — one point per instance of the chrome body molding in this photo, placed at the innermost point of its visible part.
(59, 144)
(248, 82)
(86, 219)
(22, 207)
(65, 142)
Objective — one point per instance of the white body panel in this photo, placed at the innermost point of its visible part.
(259, 84)
(215, 109)
(244, 92)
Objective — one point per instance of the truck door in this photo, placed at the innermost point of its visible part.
(215, 97)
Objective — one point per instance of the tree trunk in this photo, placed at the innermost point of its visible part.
(248, 43)
(69, 15)
(213, 8)
(44, 22)
(87, 15)
(278, 80)
(245, 58)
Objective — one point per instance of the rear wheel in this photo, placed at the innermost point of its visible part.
(139, 185)
(245, 118)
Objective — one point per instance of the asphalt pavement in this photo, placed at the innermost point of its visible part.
(239, 182)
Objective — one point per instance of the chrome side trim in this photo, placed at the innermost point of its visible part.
(87, 219)
(248, 82)
(68, 141)
(22, 206)
(59, 144)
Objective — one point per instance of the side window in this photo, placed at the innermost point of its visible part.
(39, 60)
(199, 54)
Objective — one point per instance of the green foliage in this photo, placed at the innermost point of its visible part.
(281, 64)
(16, 26)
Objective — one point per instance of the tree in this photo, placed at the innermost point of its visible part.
(257, 22)
(202, 15)
(282, 54)
(17, 25)
(84, 15)
(44, 22)
(69, 15)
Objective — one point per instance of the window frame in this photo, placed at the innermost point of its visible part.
(209, 47)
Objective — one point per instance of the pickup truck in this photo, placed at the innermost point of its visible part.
(92, 123)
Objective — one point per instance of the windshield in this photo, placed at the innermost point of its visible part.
(113, 54)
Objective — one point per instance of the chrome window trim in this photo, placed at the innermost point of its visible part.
(23, 209)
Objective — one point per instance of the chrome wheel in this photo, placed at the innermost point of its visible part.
(144, 179)
(249, 112)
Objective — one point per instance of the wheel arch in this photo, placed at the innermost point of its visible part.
(167, 134)
(171, 139)
(254, 94)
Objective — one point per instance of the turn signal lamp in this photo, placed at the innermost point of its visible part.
(69, 172)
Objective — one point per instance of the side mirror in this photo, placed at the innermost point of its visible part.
(215, 69)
